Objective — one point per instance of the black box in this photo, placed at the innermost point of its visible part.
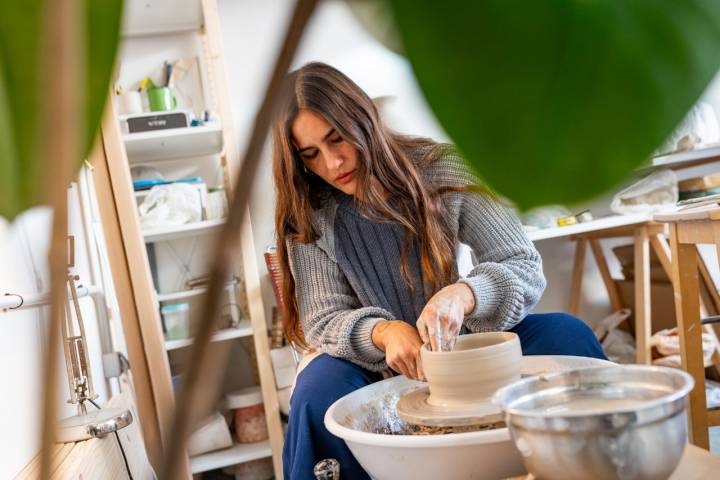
(157, 121)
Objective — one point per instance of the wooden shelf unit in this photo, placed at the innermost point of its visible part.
(139, 304)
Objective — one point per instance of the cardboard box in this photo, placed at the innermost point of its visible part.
(662, 299)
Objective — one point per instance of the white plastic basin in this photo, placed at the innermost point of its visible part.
(481, 455)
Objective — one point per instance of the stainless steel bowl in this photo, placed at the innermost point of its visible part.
(624, 422)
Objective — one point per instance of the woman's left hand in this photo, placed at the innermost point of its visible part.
(443, 315)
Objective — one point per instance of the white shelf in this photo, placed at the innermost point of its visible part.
(157, 17)
(173, 143)
(243, 330)
(238, 453)
(690, 158)
(603, 223)
(178, 231)
(194, 292)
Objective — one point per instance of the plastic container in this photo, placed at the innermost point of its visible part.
(215, 203)
(249, 414)
(176, 318)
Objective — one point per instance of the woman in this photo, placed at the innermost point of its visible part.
(367, 223)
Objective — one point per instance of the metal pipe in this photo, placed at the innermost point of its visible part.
(17, 301)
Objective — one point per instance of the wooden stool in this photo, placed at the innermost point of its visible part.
(688, 229)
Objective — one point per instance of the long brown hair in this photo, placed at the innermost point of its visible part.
(393, 160)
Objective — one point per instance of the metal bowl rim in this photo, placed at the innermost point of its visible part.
(668, 399)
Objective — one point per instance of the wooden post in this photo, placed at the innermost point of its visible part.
(643, 329)
(577, 275)
(687, 310)
(610, 285)
(247, 262)
(133, 285)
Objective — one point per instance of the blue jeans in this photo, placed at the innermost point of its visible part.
(326, 379)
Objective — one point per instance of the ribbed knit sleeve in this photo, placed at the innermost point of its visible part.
(507, 278)
(332, 317)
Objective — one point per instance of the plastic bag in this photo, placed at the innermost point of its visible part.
(657, 191)
(667, 344)
(700, 126)
(544, 217)
(619, 346)
(168, 205)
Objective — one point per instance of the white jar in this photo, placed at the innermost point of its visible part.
(215, 204)
(130, 102)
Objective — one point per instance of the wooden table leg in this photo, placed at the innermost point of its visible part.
(610, 286)
(687, 309)
(662, 249)
(643, 329)
(577, 274)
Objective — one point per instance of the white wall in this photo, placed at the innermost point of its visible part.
(23, 256)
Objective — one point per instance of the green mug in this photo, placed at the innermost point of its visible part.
(161, 98)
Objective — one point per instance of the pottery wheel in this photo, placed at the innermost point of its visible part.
(414, 408)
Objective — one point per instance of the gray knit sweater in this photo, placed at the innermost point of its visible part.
(507, 278)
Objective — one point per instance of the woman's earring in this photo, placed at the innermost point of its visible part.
(307, 172)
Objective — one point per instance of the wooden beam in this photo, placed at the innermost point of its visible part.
(247, 261)
(662, 250)
(687, 310)
(122, 283)
(610, 286)
(617, 232)
(134, 289)
(643, 329)
(709, 301)
(577, 275)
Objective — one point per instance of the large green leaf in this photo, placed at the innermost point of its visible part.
(24, 91)
(555, 101)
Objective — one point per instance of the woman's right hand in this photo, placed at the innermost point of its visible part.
(401, 343)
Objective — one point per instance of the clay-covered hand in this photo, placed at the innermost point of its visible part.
(443, 315)
(401, 344)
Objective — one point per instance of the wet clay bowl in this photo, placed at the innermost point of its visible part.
(479, 364)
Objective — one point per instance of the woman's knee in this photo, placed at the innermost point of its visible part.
(325, 380)
(564, 323)
(559, 334)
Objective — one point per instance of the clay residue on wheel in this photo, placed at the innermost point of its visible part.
(380, 416)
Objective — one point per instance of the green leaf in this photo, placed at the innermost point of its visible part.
(557, 101)
(23, 92)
